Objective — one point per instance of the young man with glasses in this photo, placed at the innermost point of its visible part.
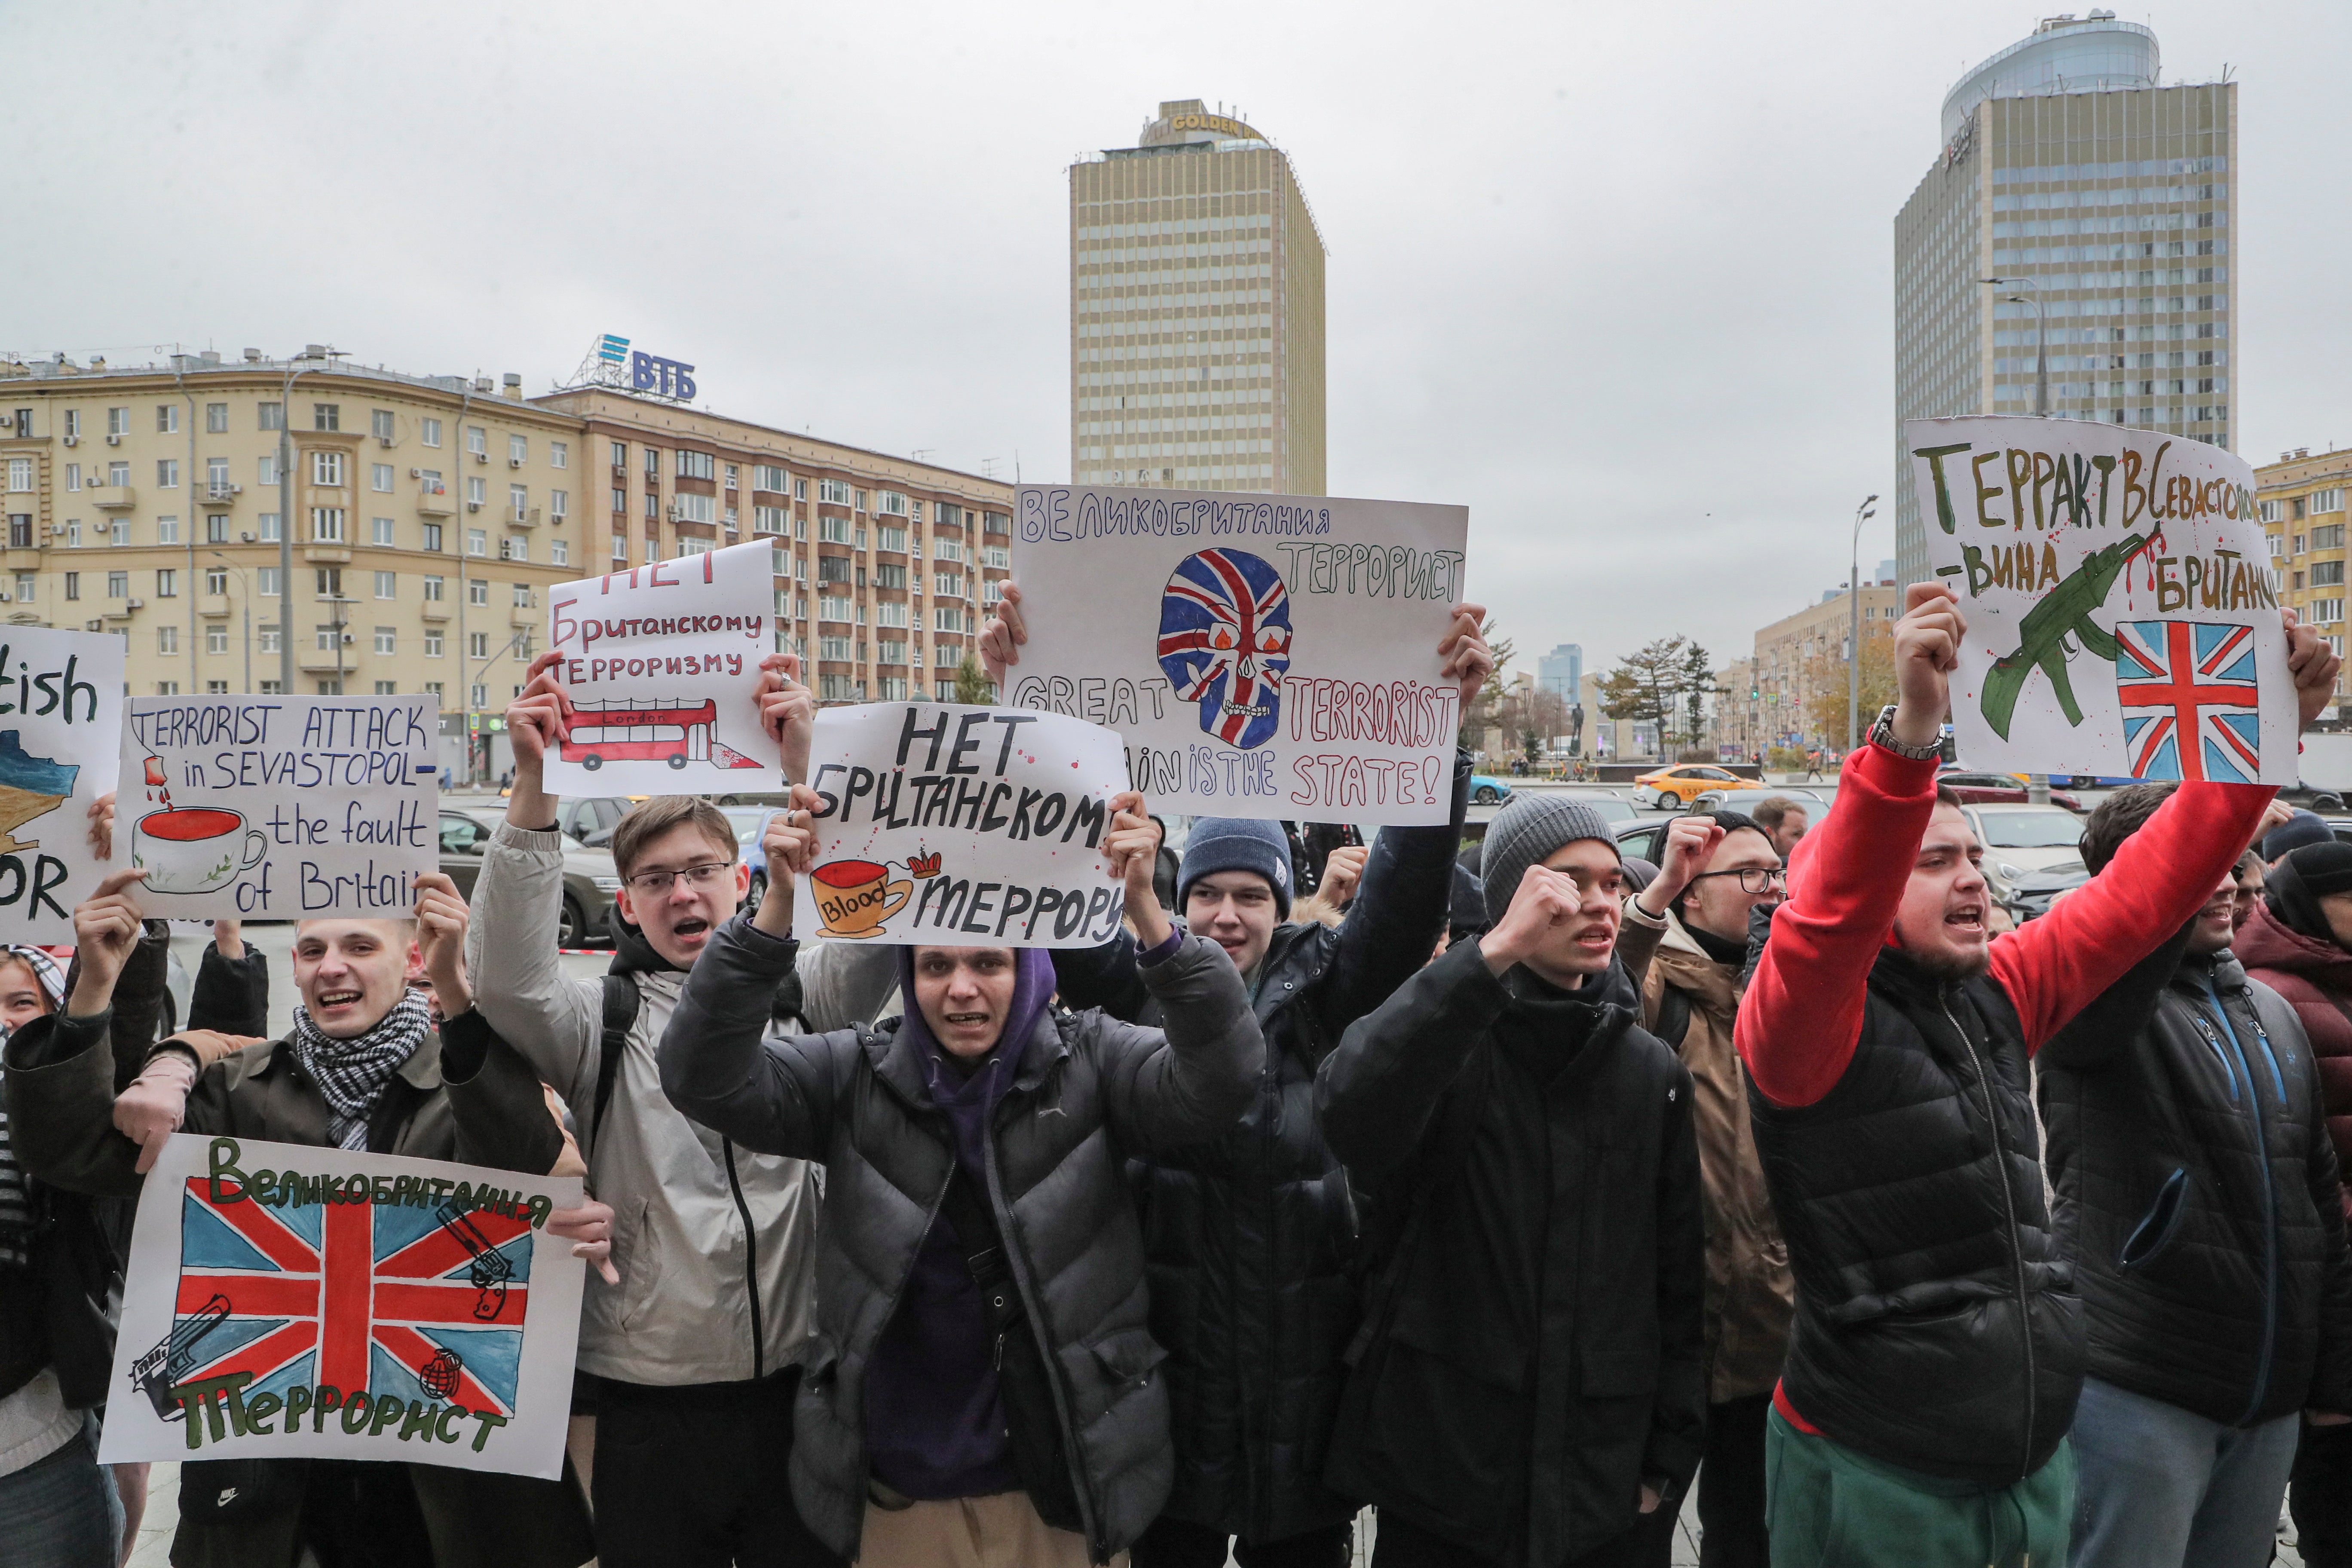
(1685, 942)
(695, 1355)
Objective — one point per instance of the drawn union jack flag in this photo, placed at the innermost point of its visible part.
(2191, 700)
(418, 1303)
(1224, 642)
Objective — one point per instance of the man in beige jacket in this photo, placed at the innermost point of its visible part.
(1685, 942)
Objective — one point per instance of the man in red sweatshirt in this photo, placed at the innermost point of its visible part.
(1938, 1348)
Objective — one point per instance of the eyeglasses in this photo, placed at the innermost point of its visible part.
(655, 884)
(1754, 879)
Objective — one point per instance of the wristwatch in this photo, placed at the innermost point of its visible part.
(1883, 734)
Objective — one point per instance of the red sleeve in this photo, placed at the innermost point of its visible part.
(1802, 1012)
(2052, 967)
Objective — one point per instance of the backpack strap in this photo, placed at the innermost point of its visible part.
(621, 1001)
(1673, 1017)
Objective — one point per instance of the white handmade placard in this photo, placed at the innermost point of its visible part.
(961, 827)
(285, 1301)
(280, 807)
(662, 665)
(1260, 656)
(60, 717)
(2123, 613)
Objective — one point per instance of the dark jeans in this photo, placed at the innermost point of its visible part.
(1173, 1543)
(1396, 1544)
(2319, 1496)
(59, 1512)
(694, 1477)
(1731, 1486)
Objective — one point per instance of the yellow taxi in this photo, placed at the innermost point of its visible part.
(1675, 788)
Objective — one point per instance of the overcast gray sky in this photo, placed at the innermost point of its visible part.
(1616, 277)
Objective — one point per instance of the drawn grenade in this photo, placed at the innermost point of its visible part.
(440, 1374)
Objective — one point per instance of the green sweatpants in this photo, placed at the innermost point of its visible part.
(1829, 1507)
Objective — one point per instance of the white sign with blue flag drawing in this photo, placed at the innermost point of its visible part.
(284, 1302)
(1260, 656)
(2124, 615)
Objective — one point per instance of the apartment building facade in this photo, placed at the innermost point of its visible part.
(884, 567)
(2300, 502)
(1196, 313)
(429, 516)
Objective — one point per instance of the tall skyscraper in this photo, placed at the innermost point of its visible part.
(1196, 313)
(2076, 180)
(1562, 670)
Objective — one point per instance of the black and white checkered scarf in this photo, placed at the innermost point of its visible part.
(352, 1072)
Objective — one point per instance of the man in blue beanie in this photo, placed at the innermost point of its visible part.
(1253, 1244)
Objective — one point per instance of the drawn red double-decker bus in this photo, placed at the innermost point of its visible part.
(673, 732)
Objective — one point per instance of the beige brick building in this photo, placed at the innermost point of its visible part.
(2301, 497)
(429, 515)
(1196, 313)
(1781, 672)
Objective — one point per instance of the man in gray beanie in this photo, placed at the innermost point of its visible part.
(1530, 828)
(1532, 1390)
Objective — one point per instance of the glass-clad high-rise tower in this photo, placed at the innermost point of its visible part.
(2073, 176)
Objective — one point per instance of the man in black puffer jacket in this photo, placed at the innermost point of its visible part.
(1253, 1236)
(982, 1371)
(2197, 1194)
(1937, 1353)
(1529, 1388)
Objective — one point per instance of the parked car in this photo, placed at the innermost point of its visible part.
(750, 826)
(2030, 896)
(1996, 789)
(1614, 807)
(2020, 840)
(589, 877)
(1812, 801)
(1488, 789)
(1671, 789)
(591, 818)
(1640, 838)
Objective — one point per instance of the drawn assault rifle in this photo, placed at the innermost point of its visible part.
(2041, 634)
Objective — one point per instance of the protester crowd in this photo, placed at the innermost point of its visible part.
(1510, 1205)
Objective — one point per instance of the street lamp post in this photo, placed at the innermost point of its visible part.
(1862, 514)
(314, 356)
(2041, 338)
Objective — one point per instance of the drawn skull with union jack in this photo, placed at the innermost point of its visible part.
(1224, 642)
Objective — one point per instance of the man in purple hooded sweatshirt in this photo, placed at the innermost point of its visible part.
(983, 1387)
